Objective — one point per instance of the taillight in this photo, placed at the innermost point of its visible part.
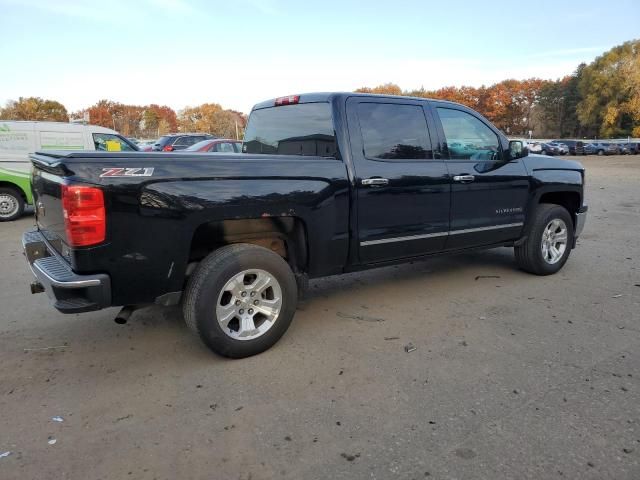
(290, 100)
(167, 148)
(84, 215)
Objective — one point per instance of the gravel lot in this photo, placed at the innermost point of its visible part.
(514, 376)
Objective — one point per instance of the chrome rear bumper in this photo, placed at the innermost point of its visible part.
(70, 292)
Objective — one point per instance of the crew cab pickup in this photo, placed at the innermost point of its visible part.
(326, 184)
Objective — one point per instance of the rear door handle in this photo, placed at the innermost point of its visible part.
(375, 182)
(463, 178)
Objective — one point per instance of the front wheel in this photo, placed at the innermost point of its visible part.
(240, 300)
(548, 241)
(11, 204)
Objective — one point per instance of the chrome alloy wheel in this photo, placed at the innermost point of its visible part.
(8, 205)
(554, 241)
(249, 304)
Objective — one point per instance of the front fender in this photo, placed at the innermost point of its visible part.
(549, 174)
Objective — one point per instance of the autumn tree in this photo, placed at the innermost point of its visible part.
(164, 127)
(150, 120)
(166, 117)
(34, 108)
(557, 107)
(209, 118)
(510, 103)
(103, 113)
(551, 110)
(469, 96)
(610, 91)
(132, 120)
(385, 89)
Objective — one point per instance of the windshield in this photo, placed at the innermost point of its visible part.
(302, 129)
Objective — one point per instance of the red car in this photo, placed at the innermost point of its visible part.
(223, 145)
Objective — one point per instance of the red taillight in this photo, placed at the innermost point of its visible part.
(290, 100)
(84, 215)
(167, 148)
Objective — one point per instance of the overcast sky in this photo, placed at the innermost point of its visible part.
(239, 52)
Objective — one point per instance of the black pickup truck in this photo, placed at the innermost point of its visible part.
(326, 184)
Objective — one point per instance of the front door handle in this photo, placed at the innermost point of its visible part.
(375, 182)
(463, 178)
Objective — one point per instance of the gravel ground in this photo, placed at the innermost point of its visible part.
(514, 376)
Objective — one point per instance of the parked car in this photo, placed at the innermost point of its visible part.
(222, 145)
(563, 149)
(329, 183)
(146, 145)
(549, 149)
(626, 148)
(634, 148)
(601, 148)
(534, 147)
(576, 147)
(20, 138)
(179, 141)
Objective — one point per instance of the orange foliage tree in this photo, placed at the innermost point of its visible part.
(132, 120)
(34, 108)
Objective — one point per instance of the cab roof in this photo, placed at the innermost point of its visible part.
(329, 96)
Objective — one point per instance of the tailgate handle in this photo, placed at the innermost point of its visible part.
(375, 182)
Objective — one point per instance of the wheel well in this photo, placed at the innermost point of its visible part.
(285, 236)
(569, 200)
(13, 186)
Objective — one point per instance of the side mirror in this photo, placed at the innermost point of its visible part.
(517, 149)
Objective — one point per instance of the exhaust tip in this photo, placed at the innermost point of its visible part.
(123, 316)
(36, 287)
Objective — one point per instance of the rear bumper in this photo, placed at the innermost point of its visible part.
(581, 218)
(70, 292)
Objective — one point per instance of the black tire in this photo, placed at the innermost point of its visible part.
(600, 152)
(543, 152)
(14, 207)
(529, 255)
(206, 285)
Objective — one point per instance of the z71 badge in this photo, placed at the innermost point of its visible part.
(127, 172)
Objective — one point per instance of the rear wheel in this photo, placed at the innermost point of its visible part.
(240, 300)
(11, 204)
(600, 152)
(548, 241)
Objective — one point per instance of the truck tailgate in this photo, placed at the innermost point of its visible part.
(47, 176)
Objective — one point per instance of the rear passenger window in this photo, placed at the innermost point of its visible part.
(394, 132)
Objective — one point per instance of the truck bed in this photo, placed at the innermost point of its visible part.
(158, 205)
